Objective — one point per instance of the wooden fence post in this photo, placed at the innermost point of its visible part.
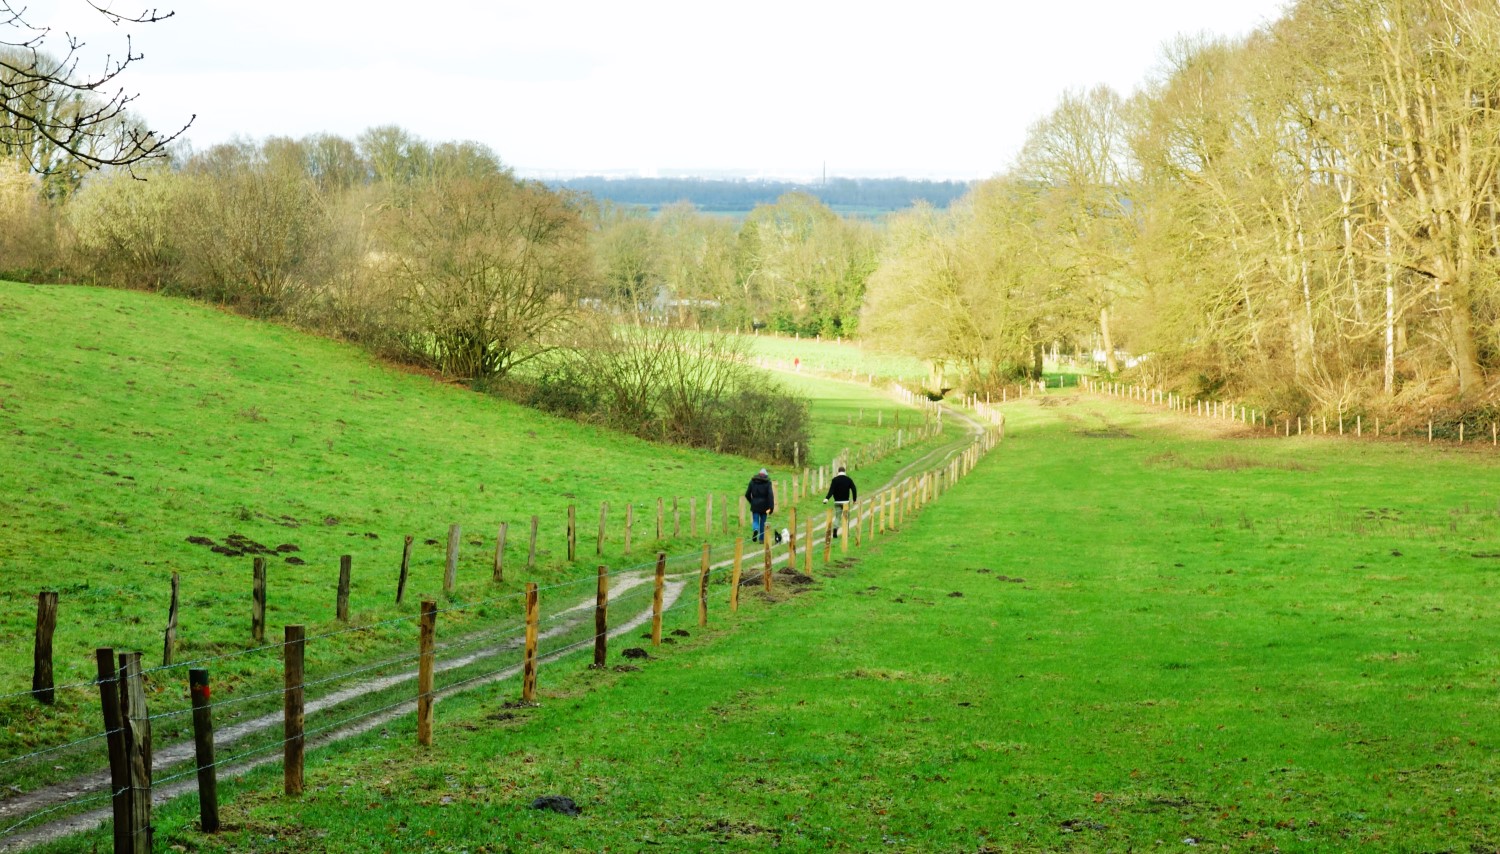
(531, 550)
(765, 576)
(528, 668)
(258, 601)
(292, 710)
(169, 637)
(659, 516)
(405, 565)
(807, 552)
(791, 548)
(450, 572)
(42, 686)
(656, 598)
(693, 517)
(708, 515)
(603, 520)
(703, 589)
(601, 617)
(676, 519)
(426, 646)
(203, 750)
(341, 607)
(734, 578)
(629, 524)
(499, 576)
(137, 722)
(724, 513)
(828, 535)
(572, 533)
(114, 736)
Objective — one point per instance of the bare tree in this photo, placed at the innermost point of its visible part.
(47, 106)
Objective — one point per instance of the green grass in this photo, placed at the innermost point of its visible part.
(849, 415)
(134, 422)
(1165, 638)
(838, 357)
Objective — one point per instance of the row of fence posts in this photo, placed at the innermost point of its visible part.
(127, 720)
(1226, 411)
(798, 486)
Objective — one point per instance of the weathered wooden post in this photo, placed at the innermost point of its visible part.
(660, 513)
(791, 548)
(603, 520)
(766, 574)
(110, 692)
(629, 524)
(734, 578)
(676, 519)
(137, 722)
(828, 536)
(656, 597)
(693, 517)
(601, 618)
(807, 552)
(708, 515)
(703, 589)
(405, 565)
(42, 685)
(292, 709)
(572, 533)
(203, 750)
(500, 536)
(450, 571)
(536, 523)
(169, 637)
(341, 605)
(426, 647)
(528, 669)
(258, 600)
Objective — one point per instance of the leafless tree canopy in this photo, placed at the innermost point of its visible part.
(54, 108)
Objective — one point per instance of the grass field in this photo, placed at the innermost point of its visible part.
(838, 357)
(1125, 631)
(133, 423)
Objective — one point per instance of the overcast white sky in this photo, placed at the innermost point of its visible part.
(940, 88)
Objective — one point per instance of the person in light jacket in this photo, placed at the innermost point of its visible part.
(762, 498)
(844, 493)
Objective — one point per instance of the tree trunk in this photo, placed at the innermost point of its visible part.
(1107, 340)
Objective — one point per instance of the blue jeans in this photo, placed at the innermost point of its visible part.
(757, 526)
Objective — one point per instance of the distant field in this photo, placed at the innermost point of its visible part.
(135, 424)
(839, 357)
(1123, 632)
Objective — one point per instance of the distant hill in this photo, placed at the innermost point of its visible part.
(861, 196)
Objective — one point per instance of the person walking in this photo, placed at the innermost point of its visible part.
(761, 496)
(844, 493)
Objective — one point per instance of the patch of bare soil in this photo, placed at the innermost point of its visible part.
(1224, 462)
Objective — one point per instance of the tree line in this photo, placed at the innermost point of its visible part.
(1306, 217)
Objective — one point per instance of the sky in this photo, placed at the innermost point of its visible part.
(775, 88)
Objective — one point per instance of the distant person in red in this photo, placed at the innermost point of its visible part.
(797, 364)
(844, 493)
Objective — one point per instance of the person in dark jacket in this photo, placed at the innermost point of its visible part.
(762, 498)
(844, 493)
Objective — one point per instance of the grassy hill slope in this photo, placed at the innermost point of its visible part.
(134, 423)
